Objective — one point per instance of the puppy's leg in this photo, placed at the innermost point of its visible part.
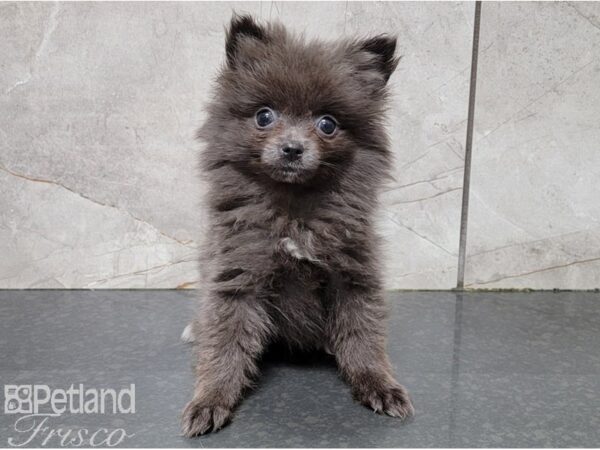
(357, 331)
(230, 336)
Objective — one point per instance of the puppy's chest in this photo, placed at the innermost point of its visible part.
(308, 242)
(299, 248)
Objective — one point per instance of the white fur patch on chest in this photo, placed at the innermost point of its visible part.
(289, 246)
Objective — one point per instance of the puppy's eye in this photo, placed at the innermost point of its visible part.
(327, 125)
(265, 117)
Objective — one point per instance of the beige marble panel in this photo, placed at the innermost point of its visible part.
(99, 103)
(535, 212)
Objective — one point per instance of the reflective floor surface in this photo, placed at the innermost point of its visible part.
(484, 370)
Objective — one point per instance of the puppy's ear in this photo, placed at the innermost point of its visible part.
(375, 58)
(242, 30)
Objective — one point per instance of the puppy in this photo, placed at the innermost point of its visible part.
(295, 152)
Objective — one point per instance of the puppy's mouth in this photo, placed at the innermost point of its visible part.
(290, 170)
(289, 173)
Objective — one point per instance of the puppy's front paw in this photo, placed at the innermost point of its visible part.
(199, 418)
(383, 396)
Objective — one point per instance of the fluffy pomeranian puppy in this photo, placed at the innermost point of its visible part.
(295, 152)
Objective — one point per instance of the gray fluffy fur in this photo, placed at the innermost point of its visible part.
(291, 256)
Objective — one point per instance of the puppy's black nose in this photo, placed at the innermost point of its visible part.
(292, 151)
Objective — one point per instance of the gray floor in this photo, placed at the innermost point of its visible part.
(484, 369)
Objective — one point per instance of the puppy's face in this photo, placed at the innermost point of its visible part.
(296, 111)
(293, 148)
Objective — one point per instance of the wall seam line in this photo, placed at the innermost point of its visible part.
(464, 213)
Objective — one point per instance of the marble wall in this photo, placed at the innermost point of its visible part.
(534, 219)
(100, 102)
